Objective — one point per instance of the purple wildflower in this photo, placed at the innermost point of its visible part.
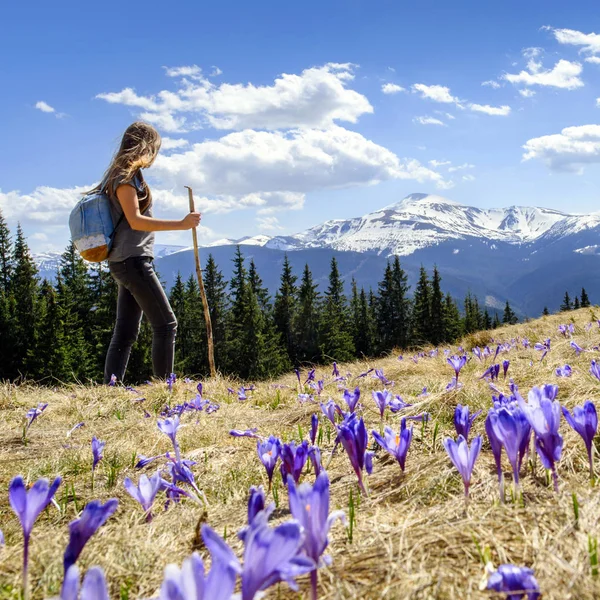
(514, 582)
(314, 427)
(74, 429)
(330, 409)
(352, 398)
(354, 438)
(310, 376)
(93, 588)
(457, 363)
(145, 491)
(396, 404)
(34, 413)
(113, 380)
(463, 421)
(97, 451)
(293, 459)
(94, 515)
(336, 371)
(584, 421)
(382, 399)
(251, 433)
(578, 349)
(565, 371)
(144, 461)
(396, 444)
(595, 369)
(463, 457)
(384, 380)
(505, 365)
(171, 381)
(269, 452)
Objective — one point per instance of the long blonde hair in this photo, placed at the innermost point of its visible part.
(138, 149)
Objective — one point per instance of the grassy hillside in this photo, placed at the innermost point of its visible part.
(413, 537)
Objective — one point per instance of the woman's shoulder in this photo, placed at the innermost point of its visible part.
(136, 181)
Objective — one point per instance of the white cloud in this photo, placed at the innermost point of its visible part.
(564, 75)
(391, 88)
(570, 150)
(589, 42)
(468, 177)
(215, 72)
(192, 71)
(172, 144)
(44, 107)
(439, 163)
(269, 224)
(527, 93)
(318, 97)
(428, 121)
(595, 60)
(461, 167)
(491, 83)
(299, 161)
(490, 110)
(437, 93)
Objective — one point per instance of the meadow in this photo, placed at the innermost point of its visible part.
(414, 536)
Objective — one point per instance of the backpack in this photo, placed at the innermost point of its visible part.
(92, 227)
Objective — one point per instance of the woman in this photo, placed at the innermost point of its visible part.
(130, 258)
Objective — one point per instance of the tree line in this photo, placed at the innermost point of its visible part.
(61, 330)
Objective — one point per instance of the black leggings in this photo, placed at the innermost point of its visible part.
(140, 291)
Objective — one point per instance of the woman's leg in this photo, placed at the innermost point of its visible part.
(145, 287)
(127, 327)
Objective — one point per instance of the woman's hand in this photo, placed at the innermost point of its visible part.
(190, 221)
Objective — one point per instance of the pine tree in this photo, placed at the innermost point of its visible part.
(386, 312)
(193, 330)
(177, 302)
(576, 303)
(545, 312)
(496, 322)
(436, 329)
(566, 305)
(336, 338)
(452, 320)
(216, 296)
(285, 309)
(509, 317)
(585, 301)
(7, 304)
(422, 310)
(471, 320)
(6, 257)
(400, 324)
(307, 320)
(24, 287)
(364, 326)
(261, 292)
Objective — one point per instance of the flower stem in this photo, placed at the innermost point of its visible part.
(555, 478)
(313, 584)
(26, 567)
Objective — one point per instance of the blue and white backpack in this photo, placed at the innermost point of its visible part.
(92, 227)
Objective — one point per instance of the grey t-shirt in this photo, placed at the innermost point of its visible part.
(128, 242)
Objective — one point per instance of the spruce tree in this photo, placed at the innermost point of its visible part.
(285, 309)
(400, 324)
(585, 301)
(307, 319)
(576, 303)
(436, 329)
(472, 318)
(509, 317)
(336, 338)
(545, 312)
(193, 330)
(566, 305)
(6, 257)
(422, 310)
(452, 320)
(364, 326)
(216, 288)
(496, 321)
(261, 292)
(386, 312)
(487, 320)
(24, 288)
(7, 304)
(177, 302)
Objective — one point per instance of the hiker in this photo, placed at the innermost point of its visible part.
(131, 255)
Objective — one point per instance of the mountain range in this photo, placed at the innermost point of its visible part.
(526, 255)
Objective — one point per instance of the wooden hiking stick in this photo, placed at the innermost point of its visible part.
(209, 334)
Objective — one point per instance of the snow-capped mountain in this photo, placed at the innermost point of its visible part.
(422, 220)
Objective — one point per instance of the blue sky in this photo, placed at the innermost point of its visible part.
(277, 113)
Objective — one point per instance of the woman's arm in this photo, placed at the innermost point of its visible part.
(128, 199)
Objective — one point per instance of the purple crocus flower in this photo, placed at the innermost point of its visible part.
(113, 380)
(293, 459)
(578, 349)
(242, 397)
(28, 506)
(170, 427)
(382, 399)
(97, 451)
(463, 457)
(595, 369)
(298, 376)
(492, 371)
(74, 429)
(145, 491)
(269, 451)
(454, 385)
(310, 376)
(543, 413)
(330, 409)
(584, 421)
(314, 427)
(496, 445)
(144, 461)
(352, 398)
(314, 454)
(514, 582)
(256, 502)
(505, 365)
(361, 375)
(463, 421)
(457, 363)
(477, 353)
(543, 347)
(563, 329)
(309, 505)
(191, 583)
(512, 430)
(94, 515)
(34, 413)
(379, 375)
(353, 436)
(422, 418)
(251, 433)
(396, 404)
(336, 371)
(171, 379)
(396, 444)
(565, 371)
(93, 588)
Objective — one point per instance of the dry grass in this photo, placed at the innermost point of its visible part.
(413, 536)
